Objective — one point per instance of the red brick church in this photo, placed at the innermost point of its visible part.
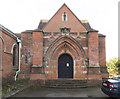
(62, 47)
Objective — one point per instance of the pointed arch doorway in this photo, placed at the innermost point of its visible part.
(65, 66)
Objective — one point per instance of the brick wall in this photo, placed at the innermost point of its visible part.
(26, 51)
(102, 51)
(37, 48)
(93, 49)
(7, 42)
(102, 56)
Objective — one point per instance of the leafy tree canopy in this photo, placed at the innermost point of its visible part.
(113, 65)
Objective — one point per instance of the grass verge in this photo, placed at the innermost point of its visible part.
(13, 86)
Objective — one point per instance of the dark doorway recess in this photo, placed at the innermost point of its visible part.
(65, 66)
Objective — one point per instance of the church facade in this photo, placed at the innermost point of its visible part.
(63, 47)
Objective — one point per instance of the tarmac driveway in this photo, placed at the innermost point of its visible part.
(55, 92)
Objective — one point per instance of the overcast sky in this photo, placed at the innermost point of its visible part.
(21, 15)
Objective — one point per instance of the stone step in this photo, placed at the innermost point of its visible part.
(67, 80)
(68, 87)
(65, 83)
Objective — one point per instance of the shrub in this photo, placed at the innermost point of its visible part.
(113, 65)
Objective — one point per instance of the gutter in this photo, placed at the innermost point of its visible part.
(8, 31)
(19, 41)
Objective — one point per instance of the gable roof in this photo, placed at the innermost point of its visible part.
(59, 10)
(85, 23)
(101, 35)
(42, 24)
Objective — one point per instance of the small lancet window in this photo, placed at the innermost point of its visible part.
(64, 17)
(26, 60)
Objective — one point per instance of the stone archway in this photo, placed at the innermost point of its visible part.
(64, 45)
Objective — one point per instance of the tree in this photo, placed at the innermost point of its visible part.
(118, 65)
(113, 66)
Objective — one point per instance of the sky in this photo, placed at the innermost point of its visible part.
(21, 15)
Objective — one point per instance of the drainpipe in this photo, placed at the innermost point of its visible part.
(19, 41)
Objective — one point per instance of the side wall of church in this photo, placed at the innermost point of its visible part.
(7, 43)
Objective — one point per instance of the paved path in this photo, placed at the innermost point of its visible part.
(54, 92)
